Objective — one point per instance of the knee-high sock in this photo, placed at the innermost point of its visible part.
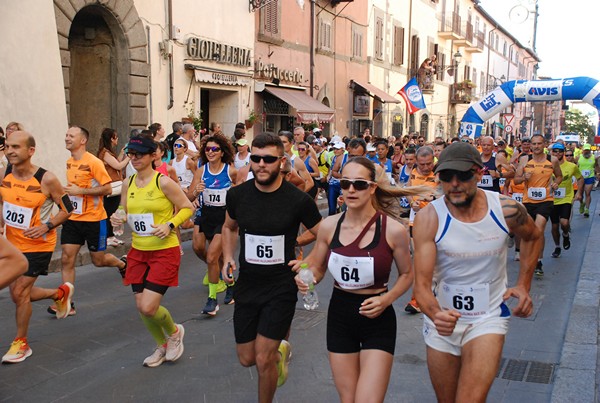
(212, 290)
(160, 324)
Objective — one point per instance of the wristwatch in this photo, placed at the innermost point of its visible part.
(49, 225)
(171, 225)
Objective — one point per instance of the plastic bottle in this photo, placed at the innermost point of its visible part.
(310, 299)
(122, 215)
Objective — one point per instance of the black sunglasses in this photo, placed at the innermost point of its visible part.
(568, 155)
(558, 151)
(359, 184)
(268, 159)
(462, 176)
(136, 154)
(214, 149)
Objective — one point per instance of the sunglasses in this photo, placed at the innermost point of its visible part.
(302, 149)
(268, 159)
(178, 145)
(359, 184)
(214, 149)
(568, 155)
(558, 151)
(462, 176)
(136, 155)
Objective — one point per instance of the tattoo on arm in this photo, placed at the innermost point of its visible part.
(515, 211)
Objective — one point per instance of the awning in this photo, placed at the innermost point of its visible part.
(377, 93)
(216, 76)
(307, 108)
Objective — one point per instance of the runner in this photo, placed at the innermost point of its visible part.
(563, 199)
(384, 162)
(586, 163)
(268, 212)
(495, 167)
(536, 171)
(87, 182)
(149, 198)
(242, 157)
(361, 322)
(311, 165)
(337, 163)
(287, 140)
(13, 262)
(211, 184)
(27, 194)
(460, 244)
(184, 166)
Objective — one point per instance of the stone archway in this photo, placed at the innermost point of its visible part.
(103, 50)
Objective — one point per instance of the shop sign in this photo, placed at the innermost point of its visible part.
(271, 71)
(204, 49)
(361, 104)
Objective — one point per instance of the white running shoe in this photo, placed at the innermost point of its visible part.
(517, 257)
(175, 344)
(157, 357)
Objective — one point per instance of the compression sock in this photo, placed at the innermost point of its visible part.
(212, 290)
(160, 323)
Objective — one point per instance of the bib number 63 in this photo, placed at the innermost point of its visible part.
(463, 303)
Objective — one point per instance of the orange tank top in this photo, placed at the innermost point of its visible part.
(537, 188)
(25, 206)
(416, 179)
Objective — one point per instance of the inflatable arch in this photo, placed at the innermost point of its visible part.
(584, 88)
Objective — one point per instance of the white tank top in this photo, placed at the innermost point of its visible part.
(238, 163)
(470, 272)
(183, 173)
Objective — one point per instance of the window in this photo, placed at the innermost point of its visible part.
(379, 38)
(270, 21)
(398, 46)
(357, 39)
(324, 40)
(474, 76)
(414, 57)
(441, 60)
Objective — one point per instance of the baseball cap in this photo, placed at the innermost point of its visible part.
(141, 144)
(558, 146)
(501, 143)
(587, 146)
(371, 148)
(339, 145)
(316, 130)
(317, 141)
(458, 156)
(241, 142)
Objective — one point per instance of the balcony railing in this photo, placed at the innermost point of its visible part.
(476, 44)
(450, 26)
(462, 93)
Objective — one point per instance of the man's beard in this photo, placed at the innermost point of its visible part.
(465, 203)
(269, 181)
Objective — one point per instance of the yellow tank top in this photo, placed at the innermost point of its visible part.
(26, 206)
(147, 206)
(537, 188)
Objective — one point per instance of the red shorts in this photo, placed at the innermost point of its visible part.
(155, 266)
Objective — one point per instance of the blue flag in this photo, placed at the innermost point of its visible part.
(411, 93)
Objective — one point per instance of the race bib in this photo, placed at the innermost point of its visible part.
(536, 193)
(352, 273)
(518, 197)
(411, 216)
(586, 173)
(502, 182)
(141, 224)
(77, 202)
(560, 193)
(485, 182)
(265, 250)
(471, 301)
(215, 197)
(17, 216)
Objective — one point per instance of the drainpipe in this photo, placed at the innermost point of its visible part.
(170, 22)
(406, 114)
(312, 47)
(149, 70)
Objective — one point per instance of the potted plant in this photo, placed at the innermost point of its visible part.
(193, 117)
(253, 117)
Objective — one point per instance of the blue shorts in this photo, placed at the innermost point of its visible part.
(589, 181)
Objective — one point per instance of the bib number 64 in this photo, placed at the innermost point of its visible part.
(349, 274)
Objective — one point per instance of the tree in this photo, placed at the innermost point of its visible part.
(577, 122)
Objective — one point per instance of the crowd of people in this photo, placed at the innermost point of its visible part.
(445, 213)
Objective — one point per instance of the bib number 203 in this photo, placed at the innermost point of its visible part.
(14, 217)
(264, 251)
(464, 303)
(349, 274)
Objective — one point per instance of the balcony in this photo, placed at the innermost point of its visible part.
(476, 45)
(462, 93)
(449, 26)
(467, 38)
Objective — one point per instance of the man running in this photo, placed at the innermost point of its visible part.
(461, 276)
(586, 163)
(267, 212)
(563, 199)
(27, 194)
(536, 171)
(495, 167)
(87, 182)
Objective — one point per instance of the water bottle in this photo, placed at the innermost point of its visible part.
(121, 215)
(310, 299)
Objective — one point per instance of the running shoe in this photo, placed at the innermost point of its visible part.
(211, 307)
(285, 352)
(221, 286)
(581, 207)
(586, 213)
(556, 252)
(229, 296)
(157, 357)
(19, 350)
(63, 305)
(412, 307)
(517, 256)
(52, 309)
(539, 272)
(566, 242)
(175, 344)
(124, 269)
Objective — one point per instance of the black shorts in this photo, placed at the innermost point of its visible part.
(211, 221)
(350, 332)
(38, 263)
(561, 211)
(544, 209)
(265, 309)
(80, 232)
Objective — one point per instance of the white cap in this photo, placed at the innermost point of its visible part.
(370, 148)
(339, 145)
(336, 139)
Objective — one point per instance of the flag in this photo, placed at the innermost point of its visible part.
(411, 93)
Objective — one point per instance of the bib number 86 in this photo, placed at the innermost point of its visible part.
(139, 226)
(264, 251)
(349, 274)
(463, 302)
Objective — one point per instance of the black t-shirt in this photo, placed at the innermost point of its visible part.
(269, 224)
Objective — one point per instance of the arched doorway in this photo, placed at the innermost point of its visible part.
(99, 74)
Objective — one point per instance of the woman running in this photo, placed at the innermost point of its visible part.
(358, 246)
(185, 167)
(311, 165)
(149, 199)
